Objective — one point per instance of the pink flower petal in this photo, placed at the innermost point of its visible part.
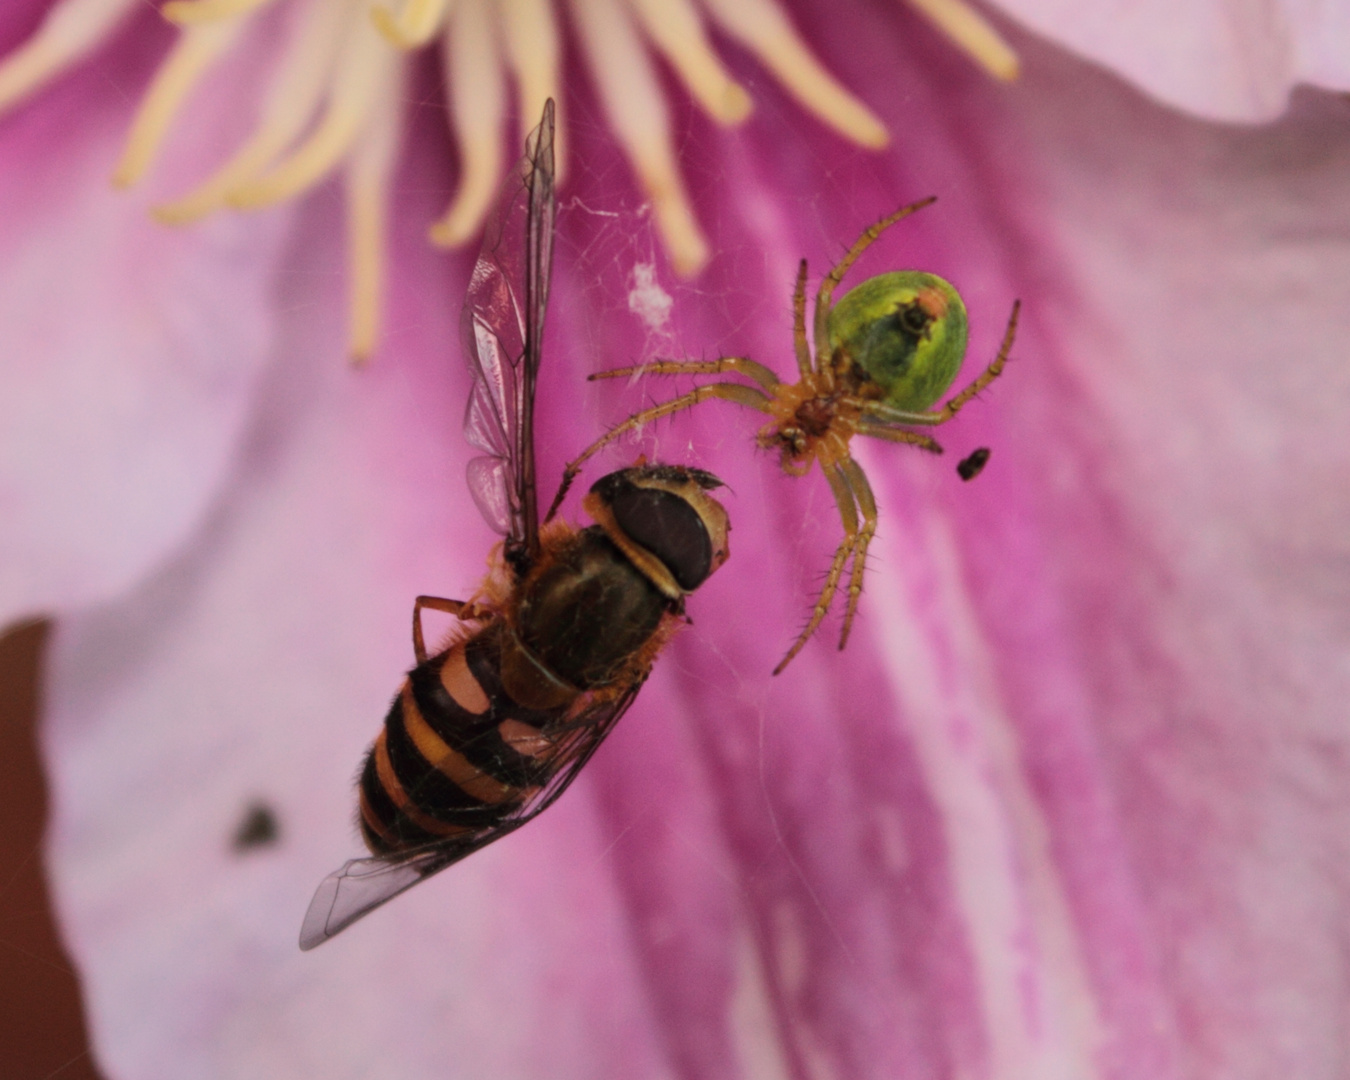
(1069, 805)
(128, 351)
(1219, 59)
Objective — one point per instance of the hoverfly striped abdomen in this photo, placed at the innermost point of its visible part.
(442, 767)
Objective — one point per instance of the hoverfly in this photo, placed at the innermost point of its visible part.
(884, 355)
(551, 651)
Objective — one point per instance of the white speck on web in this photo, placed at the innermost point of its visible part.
(647, 300)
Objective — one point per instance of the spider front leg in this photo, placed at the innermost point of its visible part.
(742, 395)
(848, 511)
(738, 365)
(799, 343)
(826, 291)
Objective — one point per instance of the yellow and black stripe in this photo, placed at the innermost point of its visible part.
(439, 770)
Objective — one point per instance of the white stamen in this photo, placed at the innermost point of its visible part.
(362, 68)
(761, 27)
(636, 109)
(473, 71)
(330, 72)
(367, 179)
(533, 50)
(414, 26)
(197, 48)
(676, 30)
(190, 12)
(70, 31)
(973, 34)
(291, 103)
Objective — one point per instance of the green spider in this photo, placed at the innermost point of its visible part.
(884, 354)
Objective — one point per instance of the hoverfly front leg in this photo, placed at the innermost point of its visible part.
(436, 603)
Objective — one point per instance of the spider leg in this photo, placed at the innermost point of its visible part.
(900, 435)
(848, 511)
(989, 374)
(799, 343)
(436, 603)
(942, 415)
(826, 291)
(742, 395)
(739, 365)
(862, 492)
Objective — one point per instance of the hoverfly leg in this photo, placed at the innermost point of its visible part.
(436, 603)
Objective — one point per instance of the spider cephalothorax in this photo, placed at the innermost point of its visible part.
(809, 419)
(883, 356)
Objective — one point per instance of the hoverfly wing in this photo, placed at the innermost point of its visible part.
(572, 748)
(502, 328)
(362, 885)
(538, 271)
(491, 490)
(359, 888)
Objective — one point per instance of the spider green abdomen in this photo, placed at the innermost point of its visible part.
(906, 331)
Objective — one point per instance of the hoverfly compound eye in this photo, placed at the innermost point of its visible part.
(664, 520)
(667, 526)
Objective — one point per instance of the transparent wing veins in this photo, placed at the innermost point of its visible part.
(362, 885)
(502, 328)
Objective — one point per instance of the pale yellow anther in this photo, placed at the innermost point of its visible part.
(368, 173)
(197, 48)
(367, 226)
(68, 33)
(677, 31)
(533, 48)
(763, 28)
(414, 26)
(973, 34)
(292, 100)
(192, 12)
(636, 109)
(360, 70)
(336, 98)
(473, 71)
(212, 194)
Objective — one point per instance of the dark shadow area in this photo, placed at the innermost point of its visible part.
(42, 1033)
